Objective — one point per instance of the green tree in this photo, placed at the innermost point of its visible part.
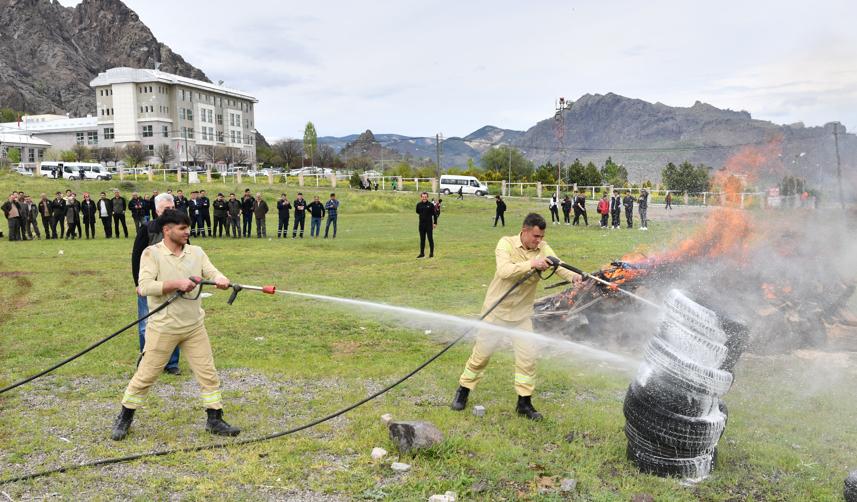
(591, 176)
(14, 155)
(310, 142)
(686, 177)
(9, 115)
(497, 160)
(68, 156)
(613, 173)
(81, 153)
(134, 154)
(575, 172)
(545, 173)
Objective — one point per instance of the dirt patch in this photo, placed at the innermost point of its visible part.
(345, 348)
(83, 272)
(19, 299)
(14, 273)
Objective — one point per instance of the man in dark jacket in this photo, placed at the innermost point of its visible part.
(628, 202)
(284, 208)
(193, 214)
(149, 235)
(220, 211)
(12, 210)
(204, 212)
(300, 214)
(247, 214)
(119, 206)
(32, 212)
(139, 210)
(580, 209)
(150, 207)
(104, 208)
(87, 214)
(181, 202)
(316, 213)
(615, 209)
(500, 211)
(260, 209)
(72, 217)
(427, 224)
(643, 205)
(566, 209)
(45, 212)
(58, 215)
(233, 214)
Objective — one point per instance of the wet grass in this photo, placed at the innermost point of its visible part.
(285, 361)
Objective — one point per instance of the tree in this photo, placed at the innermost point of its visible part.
(68, 156)
(164, 153)
(685, 178)
(310, 142)
(218, 154)
(14, 155)
(81, 153)
(613, 173)
(576, 172)
(105, 155)
(134, 154)
(194, 153)
(497, 160)
(326, 156)
(289, 150)
(241, 157)
(266, 156)
(360, 163)
(591, 176)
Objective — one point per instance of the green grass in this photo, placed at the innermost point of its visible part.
(285, 361)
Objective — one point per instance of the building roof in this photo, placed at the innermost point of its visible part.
(58, 125)
(123, 75)
(22, 139)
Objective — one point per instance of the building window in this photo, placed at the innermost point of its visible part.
(108, 133)
(92, 138)
(190, 114)
(219, 119)
(31, 157)
(182, 94)
(166, 131)
(147, 131)
(220, 136)
(150, 148)
(79, 138)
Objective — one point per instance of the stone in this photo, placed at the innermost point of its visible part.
(386, 418)
(568, 485)
(479, 410)
(479, 486)
(446, 497)
(414, 435)
(400, 467)
(378, 453)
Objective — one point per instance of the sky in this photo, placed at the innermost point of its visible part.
(421, 68)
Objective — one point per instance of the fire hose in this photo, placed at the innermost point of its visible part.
(556, 262)
(237, 288)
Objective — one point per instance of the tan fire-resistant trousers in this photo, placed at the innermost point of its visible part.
(159, 346)
(526, 353)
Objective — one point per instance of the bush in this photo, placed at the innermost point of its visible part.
(215, 175)
(128, 186)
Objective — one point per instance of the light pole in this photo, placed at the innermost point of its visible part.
(559, 133)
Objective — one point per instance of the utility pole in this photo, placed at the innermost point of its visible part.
(438, 141)
(559, 132)
(838, 163)
(509, 186)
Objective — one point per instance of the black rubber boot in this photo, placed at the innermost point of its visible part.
(459, 402)
(122, 424)
(525, 408)
(216, 425)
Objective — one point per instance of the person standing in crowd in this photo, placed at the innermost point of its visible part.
(164, 269)
(427, 224)
(180, 201)
(552, 205)
(284, 209)
(603, 209)
(193, 213)
(247, 213)
(628, 202)
(221, 210)
(669, 201)
(580, 209)
(24, 213)
(58, 215)
(643, 205)
(72, 217)
(12, 211)
(87, 213)
(332, 207)
(437, 207)
(139, 210)
(149, 203)
(260, 209)
(32, 218)
(460, 193)
(105, 210)
(119, 205)
(515, 256)
(615, 210)
(316, 213)
(566, 209)
(45, 212)
(149, 235)
(500, 211)
(204, 206)
(300, 214)
(234, 215)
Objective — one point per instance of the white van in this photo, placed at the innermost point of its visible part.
(468, 184)
(90, 171)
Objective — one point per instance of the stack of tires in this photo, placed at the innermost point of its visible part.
(851, 487)
(674, 415)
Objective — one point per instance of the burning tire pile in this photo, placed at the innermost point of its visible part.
(674, 414)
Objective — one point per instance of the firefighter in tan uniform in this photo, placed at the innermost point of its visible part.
(165, 268)
(516, 255)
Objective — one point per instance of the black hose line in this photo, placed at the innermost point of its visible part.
(193, 449)
(91, 347)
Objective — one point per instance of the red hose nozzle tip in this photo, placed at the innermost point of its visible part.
(269, 289)
(195, 278)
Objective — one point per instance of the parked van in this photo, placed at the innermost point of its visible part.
(468, 184)
(49, 167)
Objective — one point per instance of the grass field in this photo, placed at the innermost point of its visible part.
(285, 361)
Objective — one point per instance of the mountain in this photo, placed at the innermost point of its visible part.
(50, 53)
